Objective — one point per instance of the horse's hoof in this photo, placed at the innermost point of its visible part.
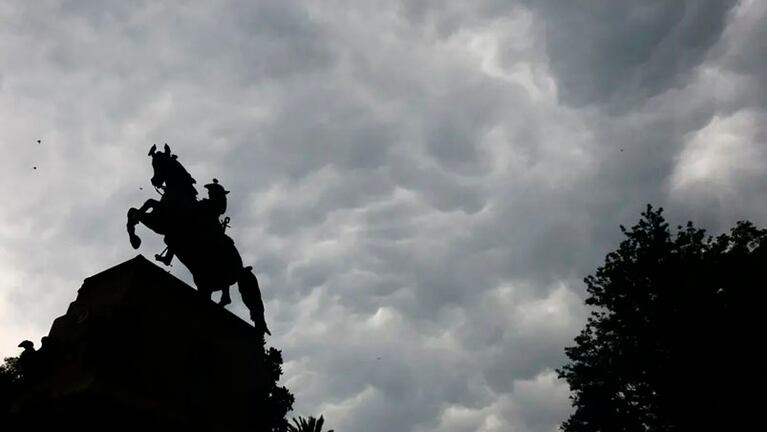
(260, 325)
(135, 241)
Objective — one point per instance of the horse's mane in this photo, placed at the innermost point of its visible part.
(181, 175)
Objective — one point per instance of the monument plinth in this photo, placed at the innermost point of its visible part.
(140, 349)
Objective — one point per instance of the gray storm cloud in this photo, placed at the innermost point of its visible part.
(420, 185)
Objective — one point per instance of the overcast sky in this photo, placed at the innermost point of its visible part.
(421, 185)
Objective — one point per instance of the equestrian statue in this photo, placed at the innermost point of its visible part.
(195, 234)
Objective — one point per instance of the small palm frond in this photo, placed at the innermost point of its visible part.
(307, 425)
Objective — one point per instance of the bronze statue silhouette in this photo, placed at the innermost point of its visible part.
(194, 233)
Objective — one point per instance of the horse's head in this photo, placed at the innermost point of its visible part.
(168, 171)
(161, 165)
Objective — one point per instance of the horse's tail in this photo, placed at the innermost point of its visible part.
(251, 296)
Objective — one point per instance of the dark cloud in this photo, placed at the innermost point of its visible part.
(621, 53)
(744, 51)
(421, 185)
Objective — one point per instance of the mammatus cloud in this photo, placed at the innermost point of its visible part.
(421, 185)
(621, 53)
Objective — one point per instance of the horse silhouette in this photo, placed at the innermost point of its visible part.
(193, 233)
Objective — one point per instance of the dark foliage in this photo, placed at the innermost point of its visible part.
(671, 342)
(10, 377)
(9, 371)
(278, 400)
(89, 412)
(311, 424)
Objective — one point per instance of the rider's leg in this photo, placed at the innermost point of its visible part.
(166, 257)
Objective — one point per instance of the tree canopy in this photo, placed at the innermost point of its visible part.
(88, 412)
(670, 343)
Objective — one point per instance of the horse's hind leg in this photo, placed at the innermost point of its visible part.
(206, 292)
(251, 296)
(225, 297)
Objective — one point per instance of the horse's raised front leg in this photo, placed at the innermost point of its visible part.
(149, 204)
(140, 215)
(133, 219)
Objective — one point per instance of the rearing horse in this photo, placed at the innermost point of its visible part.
(195, 235)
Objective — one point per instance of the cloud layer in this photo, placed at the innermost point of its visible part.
(420, 185)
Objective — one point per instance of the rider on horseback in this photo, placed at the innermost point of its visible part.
(214, 206)
(207, 212)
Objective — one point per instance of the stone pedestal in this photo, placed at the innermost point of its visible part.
(138, 350)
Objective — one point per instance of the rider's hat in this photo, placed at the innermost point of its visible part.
(215, 188)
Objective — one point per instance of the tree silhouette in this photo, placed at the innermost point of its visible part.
(87, 412)
(276, 401)
(10, 377)
(10, 371)
(670, 340)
